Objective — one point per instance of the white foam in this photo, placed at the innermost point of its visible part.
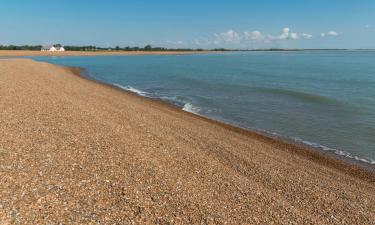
(337, 151)
(321, 147)
(132, 89)
(188, 107)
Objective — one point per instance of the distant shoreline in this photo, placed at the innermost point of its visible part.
(18, 53)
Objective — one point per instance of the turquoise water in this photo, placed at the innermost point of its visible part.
(321, 98)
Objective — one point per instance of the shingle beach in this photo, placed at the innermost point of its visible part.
(74, 151)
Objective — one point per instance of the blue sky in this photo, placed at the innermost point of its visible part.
(193, 23)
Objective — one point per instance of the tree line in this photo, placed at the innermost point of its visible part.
(21, 47)
(127, 48)
(136, 48)
(95, 48)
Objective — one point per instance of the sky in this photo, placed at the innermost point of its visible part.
(244, 24)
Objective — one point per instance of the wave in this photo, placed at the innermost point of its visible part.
(323, 148)
(339, 152)
(188, 107)
(176, 100)
(132, 89)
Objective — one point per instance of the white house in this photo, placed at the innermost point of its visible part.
(51, 48)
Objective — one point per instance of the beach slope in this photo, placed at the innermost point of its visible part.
(74, 151)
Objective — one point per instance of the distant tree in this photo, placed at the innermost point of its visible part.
(220, 49)
(147, 48)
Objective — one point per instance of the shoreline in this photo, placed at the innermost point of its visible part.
(76, 151)
(22, 53)
(340, 153)
(327, 158)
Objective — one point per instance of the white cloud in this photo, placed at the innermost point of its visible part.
(369, 26)
(329, 33)
(306, 36)
(332, 33)
(253, 36)
(229, 36)
(284, 34)
(294, 36)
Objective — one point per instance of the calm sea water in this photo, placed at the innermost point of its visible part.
(321, 98)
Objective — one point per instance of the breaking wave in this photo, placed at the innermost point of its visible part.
(322, 147)
(132, 89)
(188, 107)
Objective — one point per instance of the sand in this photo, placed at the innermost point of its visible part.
(73, 151)
(15, 53)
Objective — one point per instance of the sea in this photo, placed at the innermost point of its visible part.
(323, 99)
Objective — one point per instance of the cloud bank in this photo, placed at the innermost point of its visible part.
(256, 38)
(246, 37)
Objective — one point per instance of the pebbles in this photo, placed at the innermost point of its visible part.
(75, 152)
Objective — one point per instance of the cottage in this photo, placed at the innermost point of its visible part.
(51, 48)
